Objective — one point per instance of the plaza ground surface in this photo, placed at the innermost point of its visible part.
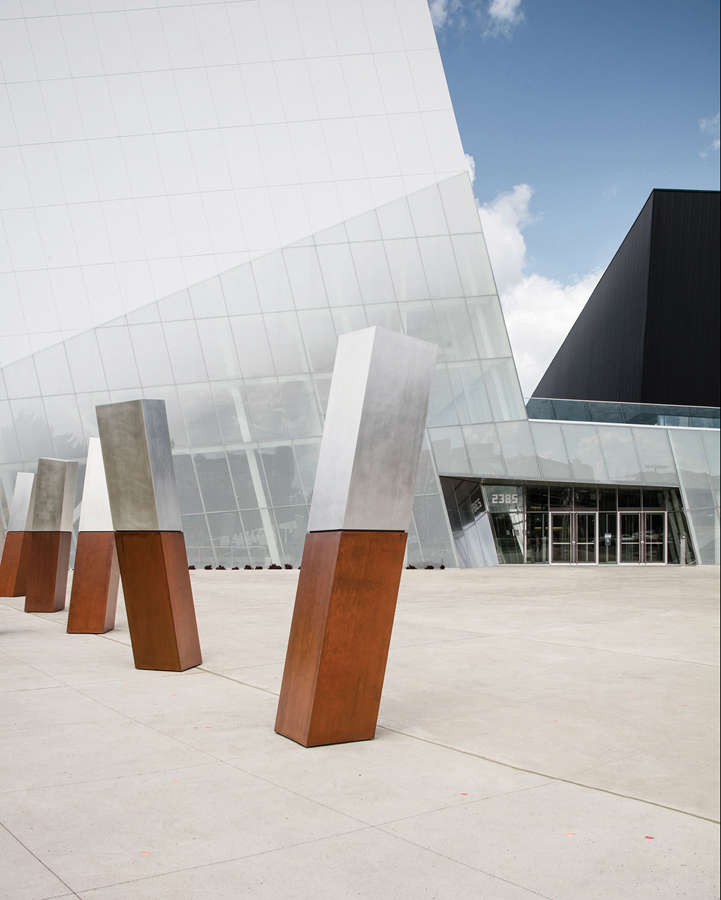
(543, 733)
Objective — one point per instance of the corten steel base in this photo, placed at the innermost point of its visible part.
(339, 636)
(15, 562)
(48, 575)
(94, 594)
(158, 599)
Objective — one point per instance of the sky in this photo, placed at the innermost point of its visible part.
(571, 113)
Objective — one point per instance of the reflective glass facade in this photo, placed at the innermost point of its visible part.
(352, 207)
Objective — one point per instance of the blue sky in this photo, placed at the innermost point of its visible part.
(589, 106)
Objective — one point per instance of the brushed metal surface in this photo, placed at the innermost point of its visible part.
(22, 505)
(95, 512)
(138, 463)
(373, 432)
(54, 501)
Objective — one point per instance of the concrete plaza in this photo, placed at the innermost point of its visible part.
(547, 732)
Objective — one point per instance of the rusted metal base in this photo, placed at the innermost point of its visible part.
(14, 564)
(48, 575)
(158, 599)
(94, 594)
(339, 637)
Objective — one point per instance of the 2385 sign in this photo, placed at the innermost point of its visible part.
(504, 499)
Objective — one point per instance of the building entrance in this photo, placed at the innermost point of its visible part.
(574, 538)
(643, 537)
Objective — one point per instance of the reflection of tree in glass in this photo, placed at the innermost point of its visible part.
(33, 432)
(279, 468)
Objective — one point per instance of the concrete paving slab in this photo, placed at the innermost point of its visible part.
(364, 865)
(391, 777)
(23, 876)
(569, 842)
(119, 829)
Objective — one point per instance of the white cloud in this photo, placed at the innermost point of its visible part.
(539, 311)
(471, 163)
(504, 14)
(710, 126)
(490, 17)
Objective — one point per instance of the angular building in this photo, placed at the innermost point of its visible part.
(198, 200)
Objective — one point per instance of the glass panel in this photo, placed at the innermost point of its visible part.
(489, 329)
(271, 279)
(306, 280)
(21, 380)
(607, 538)
(151, 354)
(537, 538)
(630, 537)
(387, 315)
(442, 406)
(371, 267)
(470, 393)
(251, 342)
(184, 351)
(207, 299)
(419, 321)
(456, 336)
(518, 451)
(706, 529)
(693, 470)
(118, 358)
(301, 408)
(426, 480)
(607, 499)
(265, 408)
(286, 343)
(655, 537)
(620, 454)
(433, 532)
(66, 426)
(306, 455)
(257, 537)
(214, 481)
(508, 532)
(654, 452)
(409, 279)
(474, 265)
(561, 537)
(349, 318)
(187, 484)
(32, 429)
(228, 539)
(247, 476)
(53, 371)
(504, 391)
(85, 365)
(653, 499)
(629, 498)
(282, 475)
(292, 524)
(586, 498)
(560, 497)
(218, 344)
(678, 528)
(9, 446)
(711, 449)
(584, 450)
(176, 423)
(241, 295)
(537, 498)
(196, 401)
(320, 338)
(551, 451)
(484, 450)
(197, 541)
(339, 275)
(449, 451)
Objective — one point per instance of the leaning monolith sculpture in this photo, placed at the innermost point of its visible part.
(153, 563)
(357, 530)
(94, 593)
(16, 551)
(51, 525)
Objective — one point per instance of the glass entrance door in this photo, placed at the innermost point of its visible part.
(585, 545)
(655, 537)
(607, 538)
(573, 538)
(643, 537)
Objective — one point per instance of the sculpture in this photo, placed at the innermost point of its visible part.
(94, 594)
(145, 510)
(357, 531)
(51, 525)
(16, 551)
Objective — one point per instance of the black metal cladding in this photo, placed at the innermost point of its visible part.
(649, 332)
